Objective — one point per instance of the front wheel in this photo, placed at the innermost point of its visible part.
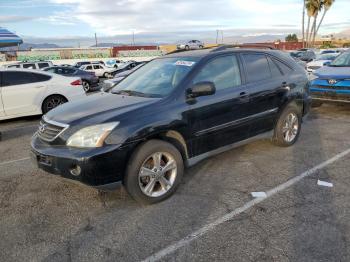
(288, 126)
(154, 172)
(51, 102)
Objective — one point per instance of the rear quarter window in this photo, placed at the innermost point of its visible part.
(283, 67)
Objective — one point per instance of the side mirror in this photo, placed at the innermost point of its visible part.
(201, 89)
(326, 63)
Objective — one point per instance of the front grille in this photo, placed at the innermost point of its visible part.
(49, 130)
(313, 67)
(333, 87)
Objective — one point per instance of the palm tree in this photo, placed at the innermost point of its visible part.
(318, 6)
(327, 4)
(303, 23)
(311, 10)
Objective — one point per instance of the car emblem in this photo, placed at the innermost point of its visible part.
(332, 81)
(42, 128)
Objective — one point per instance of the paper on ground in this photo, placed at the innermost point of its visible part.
(323, 183)
(259, 194)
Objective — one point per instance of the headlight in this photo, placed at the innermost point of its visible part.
(91, 136)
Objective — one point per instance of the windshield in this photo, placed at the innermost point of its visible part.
(329, 56)
(157, 78)
(342, 61)
(297, 54)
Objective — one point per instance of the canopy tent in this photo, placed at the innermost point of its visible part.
(9, 39)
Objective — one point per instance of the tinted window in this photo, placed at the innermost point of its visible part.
(30, 66)
(89, 68)
(257, 67)
(275, 71)
(14, 66)
(21, 78)
(64, 71)
(223, 72)
(97, 67)
(42, 65)
(284, 68)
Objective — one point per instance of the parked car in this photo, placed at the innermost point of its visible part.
(30, 92)
(98, 69)
(172, 113)
(80, 64)
(30, 65)
(90, 81)
(330, 51)
(332, 82)
(110, 83)
(125, 67)
(321, 61)
(193, 44)
(114, 63)
(306, 56)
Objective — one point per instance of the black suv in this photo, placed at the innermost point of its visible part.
(171, 113)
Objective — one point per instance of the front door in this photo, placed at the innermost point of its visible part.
(219, 120)
(22, 92)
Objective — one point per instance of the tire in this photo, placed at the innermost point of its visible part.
(287, 129)
(148, 186)
(105, 75)
(187, 47)
(86, 86)
(201, 47)
(52, 101)
(316, 104)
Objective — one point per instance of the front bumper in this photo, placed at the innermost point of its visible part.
(102, 168)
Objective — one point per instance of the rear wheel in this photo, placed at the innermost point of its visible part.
(288, 126)
(154, 172)
(52, 101)
(86, 86)
(187, 47)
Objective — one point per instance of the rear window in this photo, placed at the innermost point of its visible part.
(257, 67)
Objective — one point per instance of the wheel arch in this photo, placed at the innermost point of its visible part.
(47, 97)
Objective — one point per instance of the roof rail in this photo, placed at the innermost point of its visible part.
(256, 46)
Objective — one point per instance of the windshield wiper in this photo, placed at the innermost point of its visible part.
(129, 93)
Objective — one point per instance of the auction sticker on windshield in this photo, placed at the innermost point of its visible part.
(185, 63)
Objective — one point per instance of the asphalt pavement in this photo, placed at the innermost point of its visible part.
(212, 217)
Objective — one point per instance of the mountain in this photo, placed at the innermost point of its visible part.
(28, 46)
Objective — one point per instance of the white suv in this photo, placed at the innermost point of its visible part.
(98, 69)
(30, 65)
(30, 92)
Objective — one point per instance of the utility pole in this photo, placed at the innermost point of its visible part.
(217, 36)
(133, 37)
(222, 36)
(96, 39)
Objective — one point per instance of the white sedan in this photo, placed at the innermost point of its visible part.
(321, 61)
(98, 69)
(26, 92)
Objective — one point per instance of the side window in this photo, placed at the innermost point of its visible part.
(40, 77)
(257, 67)
(17, 78)
(222, 71)
(13, 66)
(42, 65)
(284, 68)
(89, 68)
(29, 66)
(275, 71)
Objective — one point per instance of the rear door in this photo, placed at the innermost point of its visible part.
(22, 92)
(99, 71)
(264, 83)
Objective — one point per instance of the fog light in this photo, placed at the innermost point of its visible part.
(75, 171)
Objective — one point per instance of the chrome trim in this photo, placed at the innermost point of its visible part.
(194, 160)
(235, 122)
(65, 126)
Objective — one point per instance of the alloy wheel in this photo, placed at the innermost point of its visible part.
(157, 174)
(86, 86)
(290, 127)
(54, 102)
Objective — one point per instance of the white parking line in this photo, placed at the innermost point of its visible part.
(14, 161)
(205, 229)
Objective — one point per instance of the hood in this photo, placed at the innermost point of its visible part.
(333, 72)
(97, 108)
(318, 62)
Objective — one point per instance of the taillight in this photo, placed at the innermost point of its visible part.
(76, 83)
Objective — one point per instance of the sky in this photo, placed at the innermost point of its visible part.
(159, 20)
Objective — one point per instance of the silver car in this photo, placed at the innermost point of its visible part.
(193, 44)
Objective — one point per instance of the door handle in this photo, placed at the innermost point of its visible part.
(243, 96)
(39, 86)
